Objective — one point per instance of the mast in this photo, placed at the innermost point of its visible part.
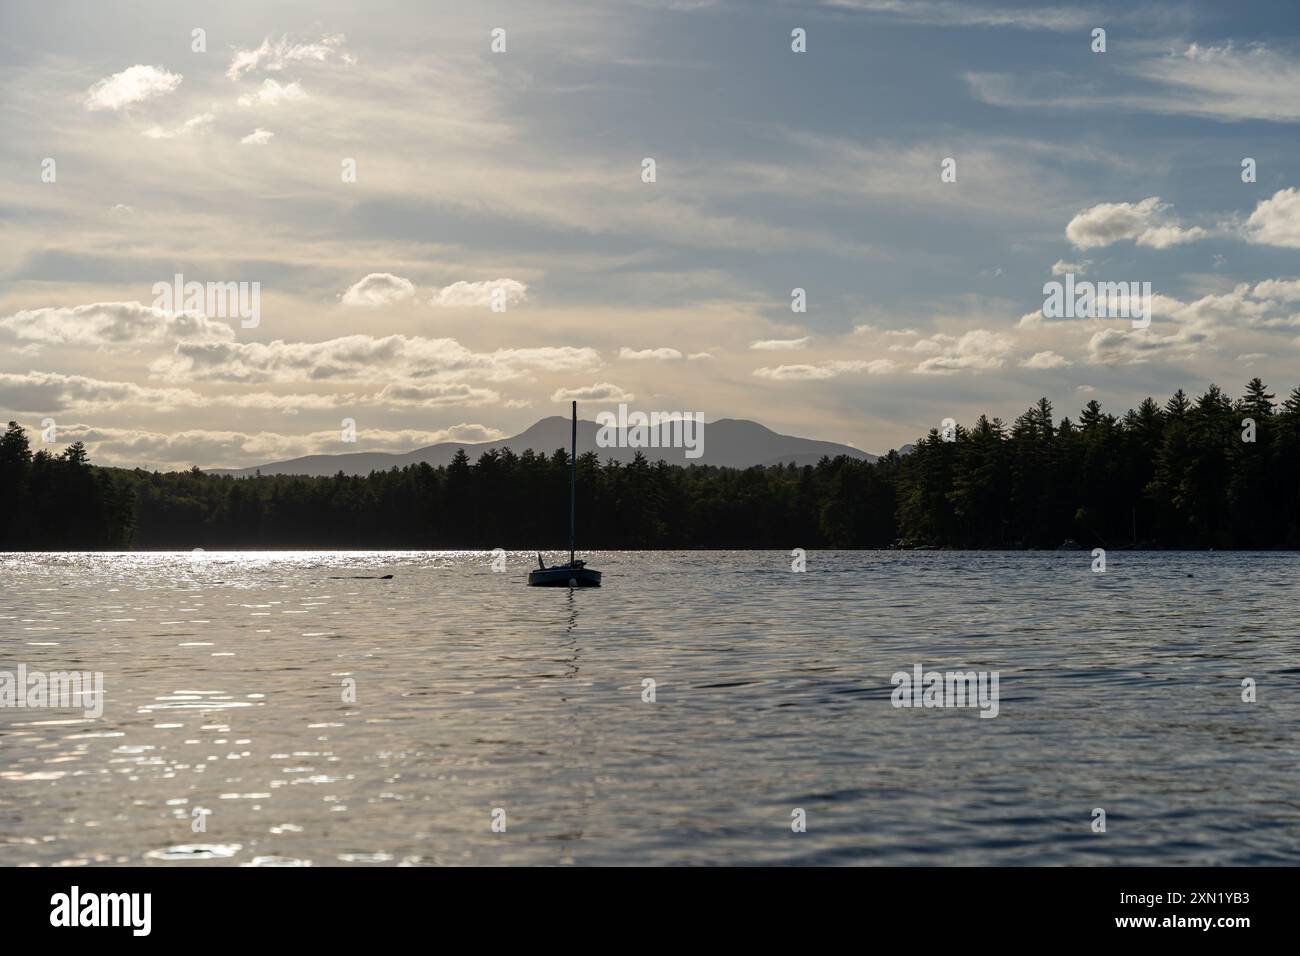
(573, 478)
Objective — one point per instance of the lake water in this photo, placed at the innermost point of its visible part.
(225, 676)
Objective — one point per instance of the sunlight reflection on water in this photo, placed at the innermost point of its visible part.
(225, 677)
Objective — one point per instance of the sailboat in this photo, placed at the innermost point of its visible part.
(575, 574)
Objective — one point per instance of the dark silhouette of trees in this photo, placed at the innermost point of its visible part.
(60, 502)
(1177, 476)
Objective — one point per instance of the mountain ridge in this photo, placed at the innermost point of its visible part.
(728, 442)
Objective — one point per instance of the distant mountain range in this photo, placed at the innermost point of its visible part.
(729, 442)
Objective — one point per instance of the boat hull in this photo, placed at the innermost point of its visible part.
(562, 577)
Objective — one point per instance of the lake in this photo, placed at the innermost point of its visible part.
(452, 715)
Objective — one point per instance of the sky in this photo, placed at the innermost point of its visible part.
(499, 250)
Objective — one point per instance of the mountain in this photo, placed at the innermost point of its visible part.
(730, 442)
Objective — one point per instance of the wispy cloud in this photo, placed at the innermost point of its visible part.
(954, 13)
(276, 55)
(1227, 83)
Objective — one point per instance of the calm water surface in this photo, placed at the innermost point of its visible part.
(225, 676)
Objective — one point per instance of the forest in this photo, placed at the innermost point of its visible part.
(1191, 473)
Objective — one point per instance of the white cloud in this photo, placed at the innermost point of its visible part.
(384, 288)
(1060, 267)
(272, 93)
(258, 137)
(52, 392)
(930, 345)
(437, 395)
(362, 358)
(1184, 329)
(1243, 307)
(1116, 346)
(379, 288)
(196, 125)
(1224, 83)
(824, 370)
(600, 392)
(977, 350)
(1276, 220)
(1228, 83)
(1143, 222)
(113, 324)
(479, 293)
(470, 433)
(133, 85)
(1047, 359)
(275, 55)
(659, 355)
(952, 13)
(1286, 290)
(778, 345)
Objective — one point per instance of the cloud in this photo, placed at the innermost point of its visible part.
(777, 345)
(379, 288)
(196, 125)
(384, 288)
(258, 137)
(1060, 267)
(824, 370)
(977, 350)
(1276, 221)
(1142, 222)
(275, 55)
(1047, 359)
(53, 392)
(273, 93)
(1285, 290)
(1261, 307)
(436, 396)
(1224, 83)
(601, 392)
(119, 324)
(133, 85)
(471, 433)
(479, 293)
(866, 328)
(963, 13)
(1228, 83)
(362, 358)
(1116, 346)
(1185, 328)
(658, 355)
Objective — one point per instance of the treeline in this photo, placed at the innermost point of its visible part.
(1181, 475)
